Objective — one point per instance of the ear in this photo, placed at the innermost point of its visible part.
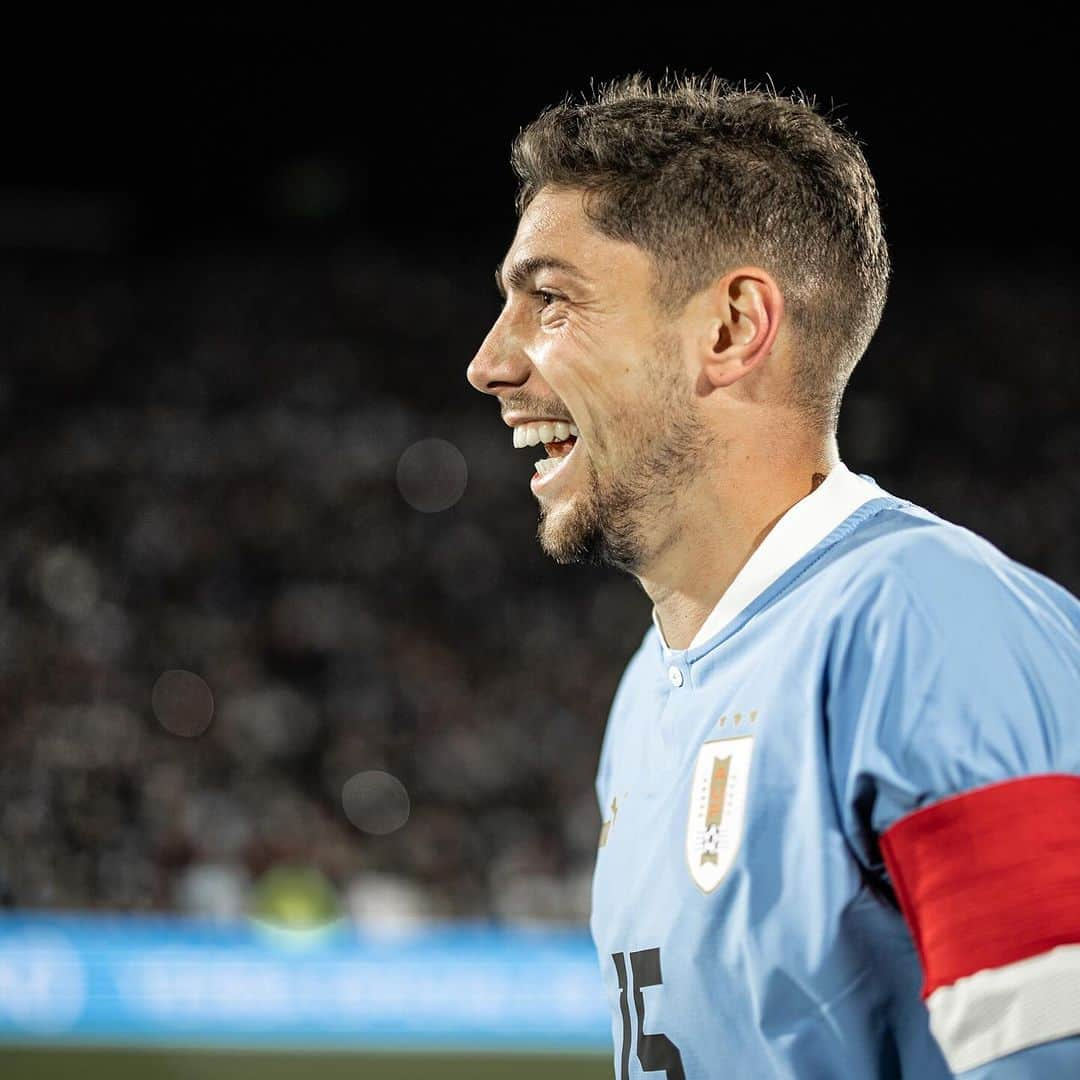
(743, 313)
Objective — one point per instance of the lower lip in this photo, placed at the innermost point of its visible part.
(543, 483)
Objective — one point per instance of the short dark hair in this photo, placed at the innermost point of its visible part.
(704, 176)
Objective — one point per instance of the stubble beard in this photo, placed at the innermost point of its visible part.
(626, 514)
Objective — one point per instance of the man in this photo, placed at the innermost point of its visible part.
(839, 780)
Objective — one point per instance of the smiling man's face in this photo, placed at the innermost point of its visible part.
(590, 348)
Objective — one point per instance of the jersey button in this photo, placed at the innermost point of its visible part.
(675, 675)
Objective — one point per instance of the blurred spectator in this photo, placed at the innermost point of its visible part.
(200, 479)
(216, 891)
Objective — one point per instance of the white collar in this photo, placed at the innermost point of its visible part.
(801, 527)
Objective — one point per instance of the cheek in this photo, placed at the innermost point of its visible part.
(570, 371)
(589, 373)
(587, 360)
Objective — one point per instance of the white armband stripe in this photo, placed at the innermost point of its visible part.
(998, 1011)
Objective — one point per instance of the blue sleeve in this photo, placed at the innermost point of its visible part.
(948, 673)
(955, 668)
(1060, 1058)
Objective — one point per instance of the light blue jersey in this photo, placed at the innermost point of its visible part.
(869, 660)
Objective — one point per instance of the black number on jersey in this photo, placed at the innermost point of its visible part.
(655, 1051)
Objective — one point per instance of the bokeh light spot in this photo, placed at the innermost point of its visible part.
(182, 702)
(375, 802)
(431, 475)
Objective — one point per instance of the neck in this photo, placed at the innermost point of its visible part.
(717, 529)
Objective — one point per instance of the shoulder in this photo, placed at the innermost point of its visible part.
(950, 664)
(913, 566)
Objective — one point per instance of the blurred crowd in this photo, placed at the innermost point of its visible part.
(270, 473)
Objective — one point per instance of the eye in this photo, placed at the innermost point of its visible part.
(543, 294)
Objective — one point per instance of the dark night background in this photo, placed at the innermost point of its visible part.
(241, 277)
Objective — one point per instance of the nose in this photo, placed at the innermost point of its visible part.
(498, 362)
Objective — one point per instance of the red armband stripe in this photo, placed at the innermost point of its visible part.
(989, 877)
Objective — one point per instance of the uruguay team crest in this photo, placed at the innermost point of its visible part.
(717, 808)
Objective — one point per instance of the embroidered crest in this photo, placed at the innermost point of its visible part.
(717, 807)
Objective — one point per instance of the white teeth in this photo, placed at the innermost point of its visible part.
(550, 464)
(534, 434)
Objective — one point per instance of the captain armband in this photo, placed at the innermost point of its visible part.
(989, 884)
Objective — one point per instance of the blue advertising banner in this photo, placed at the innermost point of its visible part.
(122, 979)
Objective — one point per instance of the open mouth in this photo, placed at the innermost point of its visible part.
(559, 454)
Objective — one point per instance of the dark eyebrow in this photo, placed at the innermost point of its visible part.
(523, 269)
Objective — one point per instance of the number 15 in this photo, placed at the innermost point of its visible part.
(654, 1051)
